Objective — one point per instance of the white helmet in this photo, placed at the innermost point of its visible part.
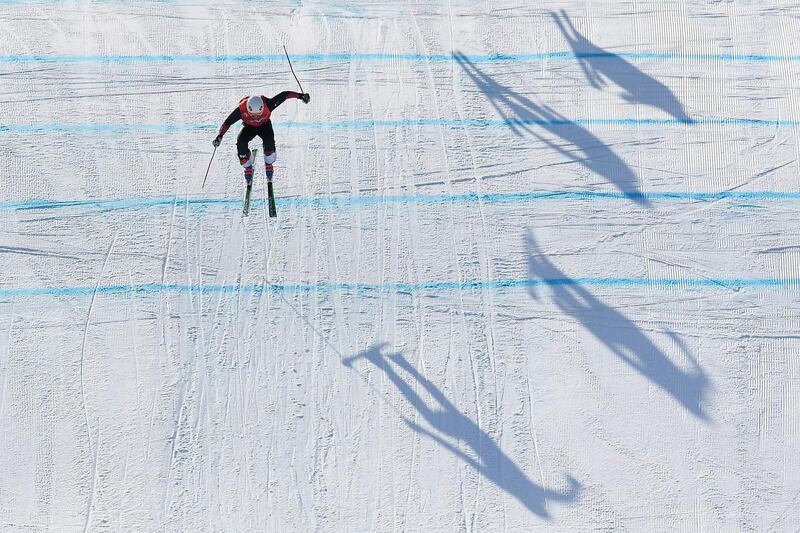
(255, 105)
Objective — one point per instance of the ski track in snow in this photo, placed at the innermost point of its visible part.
(535, 267)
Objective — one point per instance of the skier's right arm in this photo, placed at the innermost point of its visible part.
(235, 116)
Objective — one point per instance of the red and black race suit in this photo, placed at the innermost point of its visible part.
(255, 125)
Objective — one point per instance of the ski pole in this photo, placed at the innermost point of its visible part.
(209, 167)
(290, 66)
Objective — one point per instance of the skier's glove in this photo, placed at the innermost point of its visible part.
(305, 97)
(217, 141)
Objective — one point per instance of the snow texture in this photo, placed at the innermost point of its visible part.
(536, 267)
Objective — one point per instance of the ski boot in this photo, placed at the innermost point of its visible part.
(247, 160)
(269, 158)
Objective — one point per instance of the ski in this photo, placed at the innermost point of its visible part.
(271, 199)
(246, 208)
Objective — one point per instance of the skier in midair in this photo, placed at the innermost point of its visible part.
(255, 112)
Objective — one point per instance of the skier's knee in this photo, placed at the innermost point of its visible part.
(270, 157)
(246, 159)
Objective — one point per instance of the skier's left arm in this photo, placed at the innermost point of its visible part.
(279, 98)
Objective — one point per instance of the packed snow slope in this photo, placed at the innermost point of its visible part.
(536, 267)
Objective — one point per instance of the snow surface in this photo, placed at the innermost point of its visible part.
(555, 290)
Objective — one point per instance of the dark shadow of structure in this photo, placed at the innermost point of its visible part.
(524, 117)
(601, 66)
(619, 334)
(447, 422)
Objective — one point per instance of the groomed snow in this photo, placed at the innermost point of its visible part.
(536, 267)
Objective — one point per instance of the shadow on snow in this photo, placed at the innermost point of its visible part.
(447, 422)
(619, 334)
(580, 145)
(601, 66)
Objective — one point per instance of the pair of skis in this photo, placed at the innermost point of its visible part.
(270, 199)
(270, 194)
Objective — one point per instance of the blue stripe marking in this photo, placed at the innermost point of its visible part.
(401, 123)
(61, 2)
(101, 128)
(433, 286)
(344, 57)
(333, 202)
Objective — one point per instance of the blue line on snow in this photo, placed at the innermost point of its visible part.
(154, 288)
(101, 128)
(342, 201)
(420, 122)
(340, 57)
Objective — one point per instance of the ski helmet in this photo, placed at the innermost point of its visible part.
(255, 105)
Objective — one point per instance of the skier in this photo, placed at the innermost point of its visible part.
(255, 112)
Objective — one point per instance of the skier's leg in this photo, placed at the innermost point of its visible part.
(245, 156)
(268, 160)
(268, 136)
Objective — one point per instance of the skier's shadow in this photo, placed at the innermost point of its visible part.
(601, 66)
(447, 422)
(524, 117)
(619, 334)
